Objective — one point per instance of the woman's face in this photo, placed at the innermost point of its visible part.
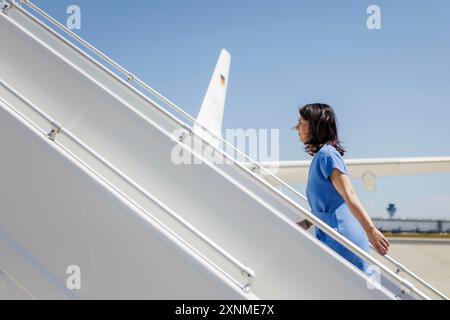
(302, 128)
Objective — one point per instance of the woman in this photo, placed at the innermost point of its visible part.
(329, 190)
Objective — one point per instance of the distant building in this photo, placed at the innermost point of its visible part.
(391, 209)
(412, 225)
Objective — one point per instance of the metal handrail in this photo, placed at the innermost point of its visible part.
(17, 283)
(58, 128)
(342, 240)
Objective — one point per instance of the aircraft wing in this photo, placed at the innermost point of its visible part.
(296, 172)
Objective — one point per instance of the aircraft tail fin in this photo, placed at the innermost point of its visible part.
(212, 108)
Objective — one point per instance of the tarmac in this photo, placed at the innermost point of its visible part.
(427, 258)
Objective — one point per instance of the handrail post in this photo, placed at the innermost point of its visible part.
(130, 77)
(56, 128)
(7, 6)
(399, 267)
(249, 274)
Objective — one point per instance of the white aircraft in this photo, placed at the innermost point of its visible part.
(296, 172)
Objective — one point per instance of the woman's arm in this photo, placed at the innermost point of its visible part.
(344, 186)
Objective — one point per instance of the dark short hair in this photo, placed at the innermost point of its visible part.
(322, 127)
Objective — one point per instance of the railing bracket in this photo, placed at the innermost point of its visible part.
(249, 274)
(182, 137)
(54, 131)
(400, 268)
(131, 77)
(6, 7)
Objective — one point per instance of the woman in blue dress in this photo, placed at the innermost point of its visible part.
(329, 190)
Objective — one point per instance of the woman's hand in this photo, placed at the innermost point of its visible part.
(378, 240)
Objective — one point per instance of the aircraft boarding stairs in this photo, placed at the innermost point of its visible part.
(87, 180)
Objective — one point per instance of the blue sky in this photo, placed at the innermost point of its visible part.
(390, 88)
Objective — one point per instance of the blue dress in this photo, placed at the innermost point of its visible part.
(329, 206)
